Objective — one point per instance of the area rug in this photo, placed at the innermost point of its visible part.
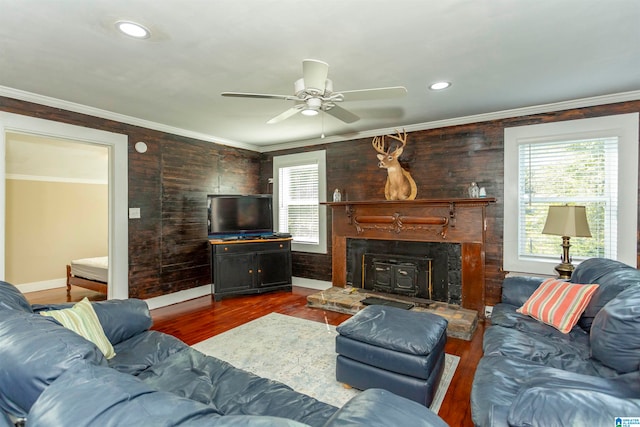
(296, 352)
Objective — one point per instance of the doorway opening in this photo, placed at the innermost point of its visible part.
(116, 145)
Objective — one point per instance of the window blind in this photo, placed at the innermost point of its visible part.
(578, 172)
(299, 202)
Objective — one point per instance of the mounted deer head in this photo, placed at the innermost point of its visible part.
(400, 185)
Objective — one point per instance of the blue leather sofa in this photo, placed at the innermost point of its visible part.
(51, 376)
(533, 375)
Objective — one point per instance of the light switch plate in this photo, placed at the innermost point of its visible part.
(134, 213)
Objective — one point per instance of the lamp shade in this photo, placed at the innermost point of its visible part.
(567, 221)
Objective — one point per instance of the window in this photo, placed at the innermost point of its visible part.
(589, 162)
(299, 187)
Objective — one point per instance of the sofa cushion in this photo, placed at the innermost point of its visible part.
(496, 383)
(232, 391)
(381, 408)
(558, 303)
(11, 298)
(144, 350)
(35, 351)
(543, 407)
(82, 319)
(568, 352)
(615, 332)
(99, 396)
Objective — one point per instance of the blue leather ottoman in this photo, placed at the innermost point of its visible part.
(394, 349)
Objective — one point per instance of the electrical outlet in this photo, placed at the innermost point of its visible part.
(488, 311)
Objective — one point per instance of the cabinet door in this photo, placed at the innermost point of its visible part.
(274, 268)
(234, 272)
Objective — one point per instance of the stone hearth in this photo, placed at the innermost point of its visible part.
(462, 322)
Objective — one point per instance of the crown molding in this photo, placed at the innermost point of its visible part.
(64, 180)
(109, 115)
(477, 118)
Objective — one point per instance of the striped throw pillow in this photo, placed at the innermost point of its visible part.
(83, 320)
(558, 303)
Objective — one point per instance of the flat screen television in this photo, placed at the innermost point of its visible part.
(231, 215)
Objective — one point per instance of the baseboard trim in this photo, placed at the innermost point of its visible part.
(319, 285)
(181, 296)
(176, 297)
(43, 285)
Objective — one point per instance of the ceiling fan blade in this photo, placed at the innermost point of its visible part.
(315, 73)
(285, 115)
(260, 96)
(342, 114)
(379, 93)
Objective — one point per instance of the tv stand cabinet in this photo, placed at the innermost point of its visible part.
(242, 267)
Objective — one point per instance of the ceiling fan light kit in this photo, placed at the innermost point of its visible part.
(314, 93)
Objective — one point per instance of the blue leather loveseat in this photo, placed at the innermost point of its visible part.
(51, 376)
(532, 374)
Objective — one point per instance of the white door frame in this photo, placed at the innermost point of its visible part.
(118, 188)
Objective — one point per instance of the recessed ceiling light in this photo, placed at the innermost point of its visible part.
(133, 29)
(439, 85)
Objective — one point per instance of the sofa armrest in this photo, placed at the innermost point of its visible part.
(120, 319)
(517, 289)
(381, 408)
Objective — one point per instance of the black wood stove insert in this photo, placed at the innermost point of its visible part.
(426, 270)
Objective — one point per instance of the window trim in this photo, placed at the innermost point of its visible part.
(625, 127)
(320, 158)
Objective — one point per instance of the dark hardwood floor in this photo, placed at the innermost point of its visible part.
(201, 318)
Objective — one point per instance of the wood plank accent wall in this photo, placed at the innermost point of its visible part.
(168, 180)
(168, 249)
(443, 162)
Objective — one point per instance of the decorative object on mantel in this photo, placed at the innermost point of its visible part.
(483, 192)
(400, 185)
(566, 221)
(474, 190)
(337, 196)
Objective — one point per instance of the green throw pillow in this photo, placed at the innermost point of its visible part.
(82, 319)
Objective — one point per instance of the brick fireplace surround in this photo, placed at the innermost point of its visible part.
(428, 220)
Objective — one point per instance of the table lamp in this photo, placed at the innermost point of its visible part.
(566, 221)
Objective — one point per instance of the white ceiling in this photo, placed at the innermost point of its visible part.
(499, 55)
(38, 158)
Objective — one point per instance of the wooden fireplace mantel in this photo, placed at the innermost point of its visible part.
(427, 220)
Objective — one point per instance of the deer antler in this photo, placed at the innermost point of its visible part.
(401, 137)
(378, 144)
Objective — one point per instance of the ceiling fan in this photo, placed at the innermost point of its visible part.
(314, 93)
